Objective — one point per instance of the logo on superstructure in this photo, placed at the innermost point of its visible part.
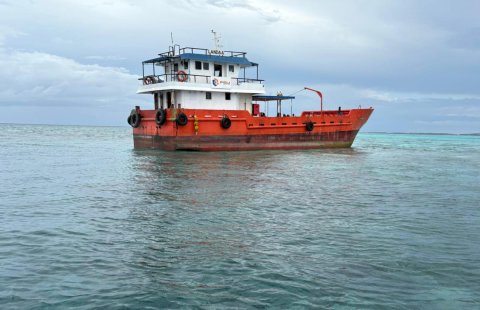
(221, 82)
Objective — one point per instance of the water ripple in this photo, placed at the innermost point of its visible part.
(88, 222)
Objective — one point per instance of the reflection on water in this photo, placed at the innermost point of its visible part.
(87, 220)
(216, 178)
(223, 212)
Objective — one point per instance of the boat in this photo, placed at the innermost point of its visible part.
(204, 100)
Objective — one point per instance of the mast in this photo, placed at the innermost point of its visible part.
(216, 41)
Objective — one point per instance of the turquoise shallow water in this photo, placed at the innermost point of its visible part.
(88, 222)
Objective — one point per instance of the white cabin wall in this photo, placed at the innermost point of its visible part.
(167, 68)
(194, 71)
(197, 100)
(210, 72)
(245, 102)
(233, 74)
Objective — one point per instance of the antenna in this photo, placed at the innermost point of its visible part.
(216, 41)
(171, 37)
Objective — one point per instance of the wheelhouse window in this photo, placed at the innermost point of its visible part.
(175, 67)
(217, 70)
(198, 65)
(208, 95)
(185, 64)
(227, 96)
(231, 68)
(206, 66)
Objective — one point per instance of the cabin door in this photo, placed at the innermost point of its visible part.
(169, 100)
(217, 70)
(155, 100)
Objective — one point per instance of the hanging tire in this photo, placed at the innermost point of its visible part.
(129, 120)
(309, 126)
(134, 119)
(225, 122)
(160, 117)
(182, 119)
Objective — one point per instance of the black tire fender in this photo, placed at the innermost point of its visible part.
(182, 119)
(160, 117)
(135, 119)
(225, 122)
(309, 126)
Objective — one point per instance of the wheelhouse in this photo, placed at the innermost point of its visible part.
(200, 78)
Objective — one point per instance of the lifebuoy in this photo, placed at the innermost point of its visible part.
(134, 119)
(182, 76)
(309, 126)
(148, 80)
(160, 117)
(182, 119)
(225, 122)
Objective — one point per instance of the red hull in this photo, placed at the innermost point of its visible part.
(331, 130)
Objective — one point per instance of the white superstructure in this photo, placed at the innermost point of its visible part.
(196, 78)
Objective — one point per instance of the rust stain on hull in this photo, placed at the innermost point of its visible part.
(339, 139)
(203, 131)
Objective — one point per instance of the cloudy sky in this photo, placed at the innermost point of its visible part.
(416, 62)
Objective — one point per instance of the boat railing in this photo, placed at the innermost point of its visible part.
(247, 80)
(191, 78)
(206, 51)
(338, 112)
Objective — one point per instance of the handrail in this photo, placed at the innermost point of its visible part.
(247, 80)
(197, 78)
(205, 51)
(172, 77)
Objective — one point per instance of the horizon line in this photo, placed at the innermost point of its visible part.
(369, 132)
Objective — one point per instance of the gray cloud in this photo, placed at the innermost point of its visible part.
(390, 54)
(231, 4)
(33, 78)
(107, 57)
(270, 16)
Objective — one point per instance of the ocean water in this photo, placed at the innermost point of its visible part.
(88, 222)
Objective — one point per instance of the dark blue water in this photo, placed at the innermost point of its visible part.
(88, 222)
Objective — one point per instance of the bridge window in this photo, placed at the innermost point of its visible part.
(208, 95)
(227, 96)
(185, 64)
(206, 66)
(217, 70)
(198, 65)
(231, 68)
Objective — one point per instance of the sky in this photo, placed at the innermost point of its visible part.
(417, 63)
